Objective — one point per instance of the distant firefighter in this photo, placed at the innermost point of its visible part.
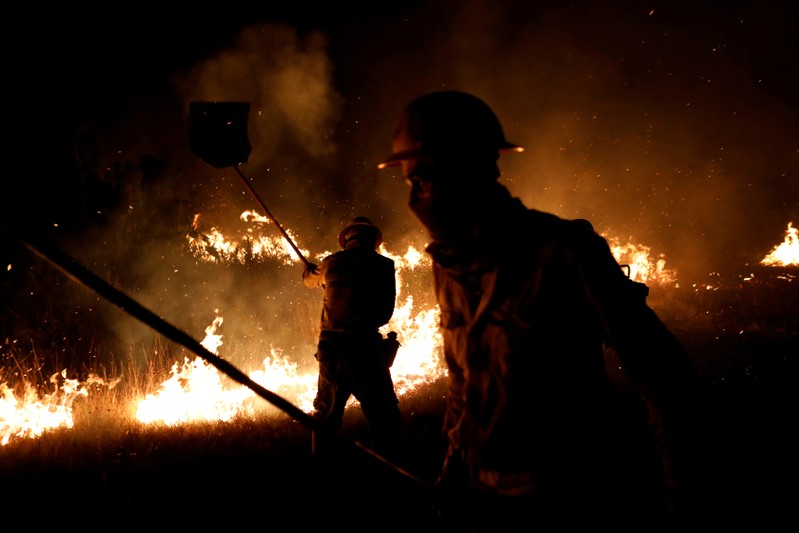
(354, 359)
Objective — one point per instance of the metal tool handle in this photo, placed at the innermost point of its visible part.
(269, 214)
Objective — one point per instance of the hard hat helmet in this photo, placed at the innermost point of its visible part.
(447, 124)
(360, 227)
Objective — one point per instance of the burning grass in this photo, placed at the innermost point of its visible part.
(112, 467)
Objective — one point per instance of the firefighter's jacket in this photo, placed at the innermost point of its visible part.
(359, 290)
(528, 308)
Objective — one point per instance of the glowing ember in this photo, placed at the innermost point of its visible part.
(32, 414)
(787, 252)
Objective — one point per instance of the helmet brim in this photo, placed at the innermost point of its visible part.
(396, 159)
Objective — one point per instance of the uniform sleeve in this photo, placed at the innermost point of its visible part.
(654, 360)
(454, 471)
(314, 277)
(455, 378)
(650, 354)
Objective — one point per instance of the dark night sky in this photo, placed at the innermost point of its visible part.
(672, 124)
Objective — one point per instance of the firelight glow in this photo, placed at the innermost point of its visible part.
(214, 247)
(197, 392)
(642, 267)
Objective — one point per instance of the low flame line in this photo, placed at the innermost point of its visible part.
(81, 274)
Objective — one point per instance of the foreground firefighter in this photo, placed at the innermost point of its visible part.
(529, 304)
(354, 360)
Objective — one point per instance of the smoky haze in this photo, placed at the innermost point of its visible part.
(673, 129)
(669, 127)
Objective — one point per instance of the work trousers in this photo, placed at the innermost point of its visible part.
(353, 365)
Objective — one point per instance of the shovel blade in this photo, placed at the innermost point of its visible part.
(218, 132)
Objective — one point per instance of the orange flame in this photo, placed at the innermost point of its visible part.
(642, 267)
(213, 247)
(787, 252)
(32, 414)
(196, 391)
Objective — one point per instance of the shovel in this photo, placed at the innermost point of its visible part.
(218, 136)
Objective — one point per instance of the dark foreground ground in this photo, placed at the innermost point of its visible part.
(743, 467)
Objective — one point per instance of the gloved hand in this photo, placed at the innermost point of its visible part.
(310, 269)
(389, 348)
